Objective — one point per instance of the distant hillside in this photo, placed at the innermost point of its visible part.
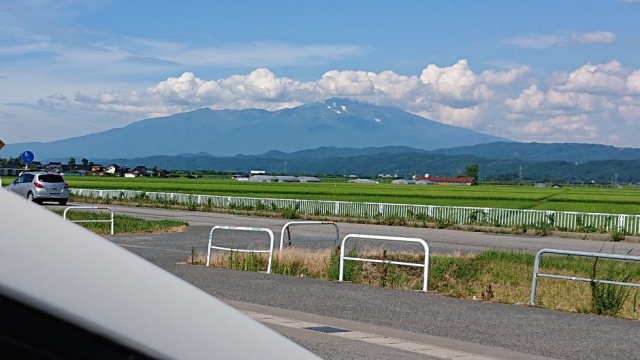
(544, 152)
(334, 152)
(377, 161)
(332, 123)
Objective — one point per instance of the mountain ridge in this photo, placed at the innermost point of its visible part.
(333, 123)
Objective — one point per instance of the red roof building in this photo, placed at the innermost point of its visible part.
(448, 180)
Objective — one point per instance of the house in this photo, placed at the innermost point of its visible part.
(53, 166)
(97, 169)
(164, 173)
(140, 169)
(468, 181)
(137, 171)
(113, 169)
(123, 170)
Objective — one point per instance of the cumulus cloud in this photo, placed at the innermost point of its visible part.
(452, 94)
(576, 105)
(544, 41)
(559, 126)
(582, 104)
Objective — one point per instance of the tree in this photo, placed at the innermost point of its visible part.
(472, 171)
(71, 163)
(84, 162)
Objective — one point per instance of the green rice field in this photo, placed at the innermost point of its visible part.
(580, 199)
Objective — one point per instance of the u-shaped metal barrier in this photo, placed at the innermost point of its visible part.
(64, 214)
(241, 228)
(537, 274)
(285, 229)
(387, 238)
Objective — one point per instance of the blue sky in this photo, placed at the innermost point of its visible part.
(544, 71)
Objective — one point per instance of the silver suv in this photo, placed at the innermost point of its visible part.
(41, 186)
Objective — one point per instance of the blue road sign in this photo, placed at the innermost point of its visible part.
(27, 157)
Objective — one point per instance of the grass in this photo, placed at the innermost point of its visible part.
(581, 199)
(494, 276)
(123, 224)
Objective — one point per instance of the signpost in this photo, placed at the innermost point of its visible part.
(27, 157)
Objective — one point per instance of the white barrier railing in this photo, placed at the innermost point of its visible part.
(386, 238)
(241, 228)
(571, 221)
(64, 214)
(285, 229)
(537, 274)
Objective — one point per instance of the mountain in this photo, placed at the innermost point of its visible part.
(545, 152)
(332, 123)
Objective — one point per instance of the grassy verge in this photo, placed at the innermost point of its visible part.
(123, 224)
(495, 276)
(598, 234)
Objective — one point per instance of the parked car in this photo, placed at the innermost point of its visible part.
(40, 187)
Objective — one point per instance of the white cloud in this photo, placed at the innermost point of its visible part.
(583, 104)
(580, 105)
(602, 78)
(451, 94)
(633, 82)
(535, 41)
(604, 37)
(556, 128)
(492, 77)
(545, 41)
(530, 99)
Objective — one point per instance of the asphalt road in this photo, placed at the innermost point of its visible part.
(394, 323)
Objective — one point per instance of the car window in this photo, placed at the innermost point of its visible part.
(51, 178)
(28, 178)
(19, 180)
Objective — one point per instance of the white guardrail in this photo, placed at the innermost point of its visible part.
(241, 228)
(537, 273)
(571, 221)
(285, 229)
(64, 214)
(386, 238)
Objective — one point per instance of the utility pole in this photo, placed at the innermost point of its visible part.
(520, 174)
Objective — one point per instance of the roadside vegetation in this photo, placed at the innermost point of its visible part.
(123, 224)
(580, 199)
(493, 276)
(473, 222)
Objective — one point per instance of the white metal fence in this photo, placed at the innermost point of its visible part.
(241, 228)
(64, 214)
(537, 273)
(287, 226)
(425, 265)
(561, 220)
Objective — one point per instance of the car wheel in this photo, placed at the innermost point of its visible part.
(30, 197)
(62, 202)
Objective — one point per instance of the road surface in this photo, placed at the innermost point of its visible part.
(368, 322)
